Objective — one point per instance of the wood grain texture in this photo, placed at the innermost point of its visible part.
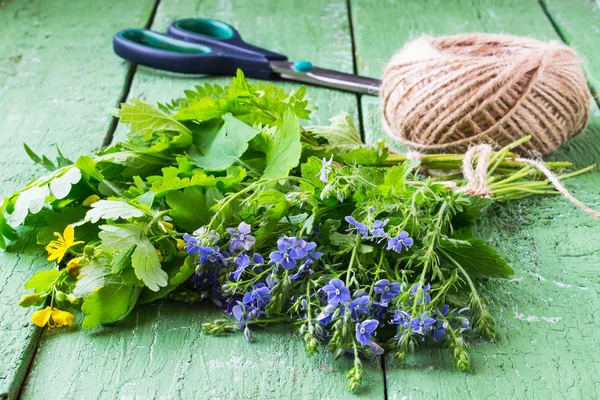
(58, 79)
(578, 23)
(158, 351)
(549, 313)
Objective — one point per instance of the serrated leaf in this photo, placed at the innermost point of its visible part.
(61, 186)
(477, 258)
(341, 132)
(29, 201)
(188, 208)
(112, 209)
(144, 260)
(146, 119)
(228, 145)
(396, 176)
(94, 275)
(170, 181)
(284, 148)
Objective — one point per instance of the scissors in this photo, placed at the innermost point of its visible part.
(209, 46)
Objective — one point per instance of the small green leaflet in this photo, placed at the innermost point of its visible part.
(112, 209)
(144, 260)
(477, 258)
(188, 208)
(42, 280)
(228, 145)
(146, 119)
(341, 132)
(284, 148)
(108, 304)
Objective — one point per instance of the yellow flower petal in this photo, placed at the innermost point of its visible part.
(160, 256)
(180, 244)
(61, 318)
(41, 317)
(90, 200)
(69, 234)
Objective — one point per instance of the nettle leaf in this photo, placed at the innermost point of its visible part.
(477, 258)
(144, 260)
(228, 145)
(108, 304)
(146, 119)
(61, 186)
(284, 148)
(203, 109)
(29, 201)
(396, 176)
(341, 132)
(188, 208)
(112, 209)
(42, 280)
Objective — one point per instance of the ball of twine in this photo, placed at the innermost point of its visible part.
(451, 92)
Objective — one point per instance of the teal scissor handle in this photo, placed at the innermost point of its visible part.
(209, 31)
(152, 49)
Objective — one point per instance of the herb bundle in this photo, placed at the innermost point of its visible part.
(224, 195)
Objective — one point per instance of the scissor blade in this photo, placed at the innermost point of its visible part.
(327, 78)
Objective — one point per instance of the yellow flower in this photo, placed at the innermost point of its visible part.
(53, 317)
(90, 200)
(180, 244)
(160, 256)
(58, 248)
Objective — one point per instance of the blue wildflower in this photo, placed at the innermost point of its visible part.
(364, 330)
(326, 314)
(303, 269)
(425, 295)
(325, 169)
(377, 229)
(422, 325)
(192, 244)
(204, 280)
(387, 290)
(314, 255)
(401, 318)
(240, 237)
(397, 243)
(337, 292)
(357, 226)
(242, 262)
(258, 297)
(211, 255)
(244, 313)
(286, 256)
(359, 306)
(258, 259)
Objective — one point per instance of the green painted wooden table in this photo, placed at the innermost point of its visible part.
(58, 80)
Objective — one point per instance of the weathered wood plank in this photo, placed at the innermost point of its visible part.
(548, 313)
(159, 352)
(58, 78)
(578, 23)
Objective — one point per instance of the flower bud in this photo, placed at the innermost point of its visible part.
(90, 200)
(180, 244)
(61, 296)
(29, 299)
(72, 298)
(89, 250)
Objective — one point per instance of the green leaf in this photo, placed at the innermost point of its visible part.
(108, 304)
(45, 162)
(122, 260)
(189, 209)
(112, 209)
(396, 176)
(88, 167)
(146, 119)
(58, 221)
(275, 205)
(60, 186)
(95, 275)
(477, 258)
(42, 280)
(310, 171)
(284, 148)
(228, 145)
(144, 260)
(185, 272)
(341, 132)
(203, 109)
(170, 181)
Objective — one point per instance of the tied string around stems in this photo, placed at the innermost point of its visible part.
(475, 167)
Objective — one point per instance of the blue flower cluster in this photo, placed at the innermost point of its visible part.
(252, 305)
(356, 306)
(377, 233)
(292, 251)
